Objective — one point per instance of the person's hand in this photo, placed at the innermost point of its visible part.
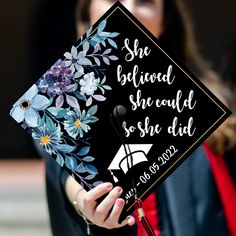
(106, 213)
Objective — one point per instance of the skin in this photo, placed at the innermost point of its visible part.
(149, 12)
(107, 213)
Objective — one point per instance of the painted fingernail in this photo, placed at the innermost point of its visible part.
(119, 190)
(129, 217)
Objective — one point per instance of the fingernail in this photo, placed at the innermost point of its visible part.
(109, 186)
(120, 203)
(130, 220)
(119, 190)
(128, 217)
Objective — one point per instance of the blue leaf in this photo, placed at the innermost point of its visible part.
(104, 43)
(113, 35)
(67, 148)
(95, 39)
(84, 151)
(107, 87)
(85, 61)
(104, 34)
(41, 122)
(92, 110)
(112, 43)
(79, 96)
(80, 168)
(50, 125)
(103, 80)
(92, 42)
(93, 119)
(102, 26)
(91, 169)
(89, 177)
(54, 110)
(86, 46)
(102, 89)
(60, 160)
(71, 163)
(72, 101)
(88, 159)
(97, 61)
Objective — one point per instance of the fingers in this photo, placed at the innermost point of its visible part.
(107, 213)
(98, 192)
(105, 206)
(112, 220)
(130, 220)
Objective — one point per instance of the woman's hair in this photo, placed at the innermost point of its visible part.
(178, 40)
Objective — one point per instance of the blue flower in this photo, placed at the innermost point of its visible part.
(76, 122)
(50, 140)
(76, 60)
(27, 107)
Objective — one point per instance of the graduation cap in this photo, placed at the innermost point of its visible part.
(118, 61)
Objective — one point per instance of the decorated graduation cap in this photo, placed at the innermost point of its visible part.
(69, 111)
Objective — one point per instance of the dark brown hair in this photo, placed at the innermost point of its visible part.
(178, 40)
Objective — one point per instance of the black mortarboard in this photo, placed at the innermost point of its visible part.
(116, 107)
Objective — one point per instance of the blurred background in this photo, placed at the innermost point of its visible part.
(34, 33)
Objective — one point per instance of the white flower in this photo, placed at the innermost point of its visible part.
(89, 84)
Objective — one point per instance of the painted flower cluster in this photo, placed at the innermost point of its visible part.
(60, 109)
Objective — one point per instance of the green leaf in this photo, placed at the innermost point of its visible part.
(62, 113)
(50, 125)
(92, 110)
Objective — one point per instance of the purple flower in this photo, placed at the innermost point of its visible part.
(56, 80)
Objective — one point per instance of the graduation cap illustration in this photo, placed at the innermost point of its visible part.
(124, 160)
(67, 111)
